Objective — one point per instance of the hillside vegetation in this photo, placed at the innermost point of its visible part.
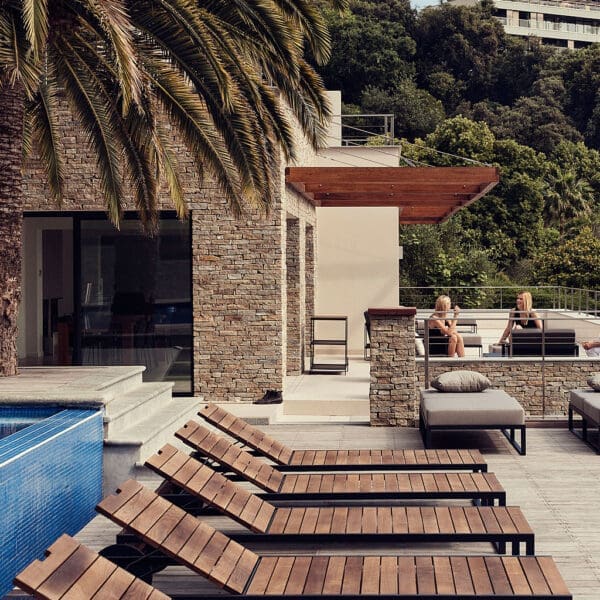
(457, 83)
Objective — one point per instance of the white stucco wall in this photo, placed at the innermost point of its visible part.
(357, 264)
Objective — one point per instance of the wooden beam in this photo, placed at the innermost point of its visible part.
(401, 187)
(391, 175)
(334, 199)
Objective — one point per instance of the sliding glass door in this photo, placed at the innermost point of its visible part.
(135, 303)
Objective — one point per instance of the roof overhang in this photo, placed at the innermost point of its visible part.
(422, 194)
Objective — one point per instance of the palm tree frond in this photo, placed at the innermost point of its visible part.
(35, 17)
(46, 134)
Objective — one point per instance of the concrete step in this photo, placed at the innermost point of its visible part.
(135, 444)
(124, 380)
(127, 409)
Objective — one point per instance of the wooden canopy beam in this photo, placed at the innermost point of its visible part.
(427, 194)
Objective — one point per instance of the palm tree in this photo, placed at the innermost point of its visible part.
(223, 74)
(568, 196)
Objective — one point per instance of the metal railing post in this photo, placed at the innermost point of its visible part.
(426, 343)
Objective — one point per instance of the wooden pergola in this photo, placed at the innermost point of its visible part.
(422, 194)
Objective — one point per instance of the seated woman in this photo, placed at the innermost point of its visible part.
(444, 329)
(522, 316)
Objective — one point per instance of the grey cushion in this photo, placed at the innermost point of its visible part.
(471, 340)
(587, 402)
(578, 397)
(490, 407)
(591, 408)
(594, 382)
(461, 381)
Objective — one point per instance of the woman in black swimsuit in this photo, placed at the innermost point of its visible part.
(522, 316)
(440, 327)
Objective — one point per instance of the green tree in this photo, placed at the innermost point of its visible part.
(581, 74)
(573, 263)
(209, 68)
(415, 110)
(461, 41)
(371, 47)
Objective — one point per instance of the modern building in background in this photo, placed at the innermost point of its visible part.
(220, 306)
(567, 24)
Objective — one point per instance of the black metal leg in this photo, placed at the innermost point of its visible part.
(570, 418)
(516, 548)
(530, 547)
(523, 440)
(501, 546)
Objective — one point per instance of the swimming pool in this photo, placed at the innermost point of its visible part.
(15, 419)
(50, 480)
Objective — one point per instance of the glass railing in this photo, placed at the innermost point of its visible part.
(538, 356)
(581, 300)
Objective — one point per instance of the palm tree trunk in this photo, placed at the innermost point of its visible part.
(11, 220)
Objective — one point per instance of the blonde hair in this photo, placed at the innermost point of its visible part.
(443, 303)
(527, 300)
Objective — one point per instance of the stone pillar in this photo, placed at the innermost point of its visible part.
(237, 275)
(393, 391)
(294, 320)
(309, 284)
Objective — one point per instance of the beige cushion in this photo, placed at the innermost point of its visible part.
(461, 381)
(594, 382)
(490, 407)
(419, 347)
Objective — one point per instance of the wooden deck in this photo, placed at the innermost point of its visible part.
(557, 486)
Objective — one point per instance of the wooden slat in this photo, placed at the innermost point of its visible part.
(258, 584)
(371, 575)
(498, 576)
(516, 576)
(444, 578)
(462, 575)
(425, 575)
(335, 575)
(298, 575)
(281, 575)
(535, 577)
(407, 575)
(353, 570)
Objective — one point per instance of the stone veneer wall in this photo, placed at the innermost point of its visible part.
(309, 284)
(523, 379)
(393, 376)
(294, 317)
(238, 270)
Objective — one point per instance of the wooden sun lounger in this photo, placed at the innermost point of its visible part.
(73, 572)
(238, 570)
(317, 487)
(495, 524)
(287, 459)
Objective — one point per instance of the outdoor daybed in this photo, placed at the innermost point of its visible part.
(586, 403)
(487, 409)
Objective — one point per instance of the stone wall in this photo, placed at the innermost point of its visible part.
(294, 313)
(392, 388)
(309, 284)
(524, 379)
